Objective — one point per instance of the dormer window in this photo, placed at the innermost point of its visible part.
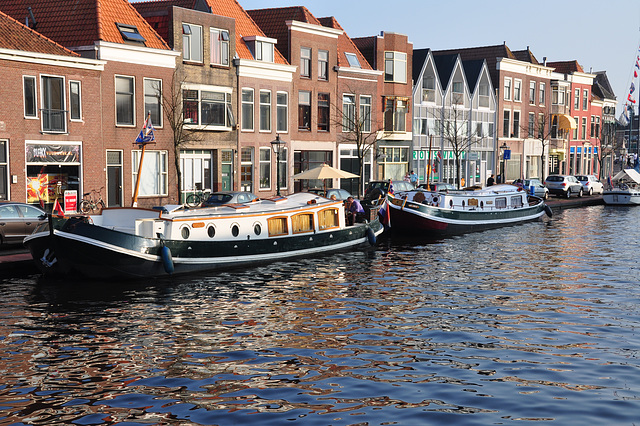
(261, 47)
(130, 33)
(353, 60)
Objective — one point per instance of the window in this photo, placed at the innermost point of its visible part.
(323, 65)
(429, 88)
(265, 111)
(305, 62)
(282, 112)
(542, 93)
(506, 123)
(458, 87)
(265, 168)
(395, 67)
(593, 127)
(130, 33)
(557, 96)
(30, 102)
(483, 95)
(323, 112)
(516, 124)
(219, 47)
(575, 131)
(584, 127)
(4, 168)
(532, 124)
(540, 125)
(353, 60)
(532, 92)
(191, 42)
(53, 105)
(517, 90)
(263, 51)
(304, 110)
(585, 99)
(247, 109)
(75, 105)
(597, 134)
(395, 115)
(507, 89)
(207, 108)
(153, 100)
(365, 113)
(576, 99)
(124, 101)
(348, 113)
(153, 179)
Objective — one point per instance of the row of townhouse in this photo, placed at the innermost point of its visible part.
(243, 100)
(492, 111)
(238, 99)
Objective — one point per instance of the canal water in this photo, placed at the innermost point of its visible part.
(534, 323)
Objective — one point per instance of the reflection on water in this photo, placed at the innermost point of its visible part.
(535, 322)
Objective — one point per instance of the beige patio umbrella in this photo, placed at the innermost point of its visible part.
(324, 172)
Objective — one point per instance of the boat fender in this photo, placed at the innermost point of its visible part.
(548, 211)
(371, 236)
(167, 259)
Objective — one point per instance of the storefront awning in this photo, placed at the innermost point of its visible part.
(566, 122)
(558, 153)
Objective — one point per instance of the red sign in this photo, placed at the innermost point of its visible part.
(70, 201)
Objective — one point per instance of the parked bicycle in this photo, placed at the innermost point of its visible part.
(196, 198)
(92, 202)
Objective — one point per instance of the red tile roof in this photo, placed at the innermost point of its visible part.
(566, 66)
(16, 36)
(82, 22)
(345, 44)
(273, 23)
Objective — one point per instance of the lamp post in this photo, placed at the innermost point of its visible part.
(276, 145)
(504, 148)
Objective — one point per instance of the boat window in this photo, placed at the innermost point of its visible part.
(516, 201)
(211, 231)
(302, 222)
(257, 229)
(501, 202)
(235, 230)
(277, 226)
(328, 218)
(185, 232)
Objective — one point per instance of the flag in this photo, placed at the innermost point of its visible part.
(630, 99)
(624, 118)
(57, 208)
(390, 188)
(385, 215)
(146, 135)
(632, 88)
(635, 73)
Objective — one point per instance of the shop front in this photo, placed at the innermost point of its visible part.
(53, 172)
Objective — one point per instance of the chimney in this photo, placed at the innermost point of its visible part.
(544, 61)
(33, 19)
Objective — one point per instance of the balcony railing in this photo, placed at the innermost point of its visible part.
(54, 120)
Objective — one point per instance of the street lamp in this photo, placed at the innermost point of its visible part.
(504, 148)
(276, 145)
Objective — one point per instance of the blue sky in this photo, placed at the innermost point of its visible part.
(599, 35)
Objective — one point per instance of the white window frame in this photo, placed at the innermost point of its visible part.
(156, 176)
(79, 96)
(265, 111)
(353, 60)
(516, 124)
(131, 95)
(394, 65)
(229, 119)
(282, 111)
(506, 125)
(63, 98)
(157, 123)
(189, 52)
(305, 62)
(248, 105)
(264, 169)
(542, 93)
(507, 88)
(219, 50)
(532, 93)
(517, 90)
(323, 65)
(585, 99)
(34, 94)
(348, 112)
(365, 113)
(576, 100)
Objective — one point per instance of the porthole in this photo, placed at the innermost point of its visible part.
(257, 229)
(235, 230)
(211, 231)
(185, 232)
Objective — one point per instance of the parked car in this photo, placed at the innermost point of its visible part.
(17, 220)
(438, 186)
(539, 190)
(590, 184)
(563, 186)
(378, 189)
(229, 197)
(341, 194)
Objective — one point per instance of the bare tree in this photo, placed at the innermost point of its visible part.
(542, 130)
(608, 145)
(457, 134)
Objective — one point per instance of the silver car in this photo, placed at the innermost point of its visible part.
(539, 190)
(590, 184)
(563, 186)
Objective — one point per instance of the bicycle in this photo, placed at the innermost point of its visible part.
(92, 202)
(196, 198)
